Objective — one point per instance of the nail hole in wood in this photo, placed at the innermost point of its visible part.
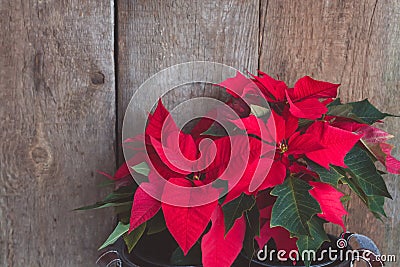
(97, 78)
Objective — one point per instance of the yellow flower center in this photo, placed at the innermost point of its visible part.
(283, 147)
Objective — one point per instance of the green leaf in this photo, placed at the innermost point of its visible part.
(252, 230)
(344, 111)
(123, 213)
(156, 224)
(352, 184)
(126, 189)
(258, 111)
(363, 170)
(122, 196)
(313, 242)
(305, 123)
(101, 205)
(361, 111)
(142, 168)
(234, 209)
(118, 196)
(248, 242)
(221, 184)
(340, 110)
(367, 112)
(294, 206)
(193, 258)
(133, 237)
(106, 183)
(331, 177)
(375, 204)
(373, 207)
(117, 233)
(253, 218)
(336, 102)
(215, 130)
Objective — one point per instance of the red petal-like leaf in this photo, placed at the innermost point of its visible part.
(122, 171)
(383, 153)
(280, 235)
(276, 176)
(204, 124)
(251, 124)
(186, 224)
(254, 176)
(266, 131)
(278, 123)
(302, 171)
(265, 213)
(219, 249)
(239, 106)
(307, 109)
(249, 173)
(265, 201)
(337, 143)
(144, 207)
(236, 85)
(221, 149)
(375, 139)
(283, 126)
(308, 87)
(156, 121)
(238, 151)
(158, 164)
(291, 123)
(274, 90)
(177, 151)
(328, 198)
(303, 143)
(373, 135)
(344, 123)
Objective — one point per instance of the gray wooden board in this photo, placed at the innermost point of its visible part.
(57, 128)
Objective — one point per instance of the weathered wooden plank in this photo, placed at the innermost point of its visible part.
(353, 43)
(156, 34)
(57, 109)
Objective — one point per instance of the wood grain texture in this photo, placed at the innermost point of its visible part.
(156, 34)
(57, 106)
(353, 43)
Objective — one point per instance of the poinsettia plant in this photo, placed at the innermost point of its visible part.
(311, 144)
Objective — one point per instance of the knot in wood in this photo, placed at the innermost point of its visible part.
(40, 155)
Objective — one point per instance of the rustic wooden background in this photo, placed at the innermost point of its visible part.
(68, 69)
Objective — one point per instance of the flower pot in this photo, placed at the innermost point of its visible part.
(156, 251)
(151, 251)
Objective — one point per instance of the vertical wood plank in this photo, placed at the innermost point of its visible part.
(154, 35)
(353, 43)
(57, 106)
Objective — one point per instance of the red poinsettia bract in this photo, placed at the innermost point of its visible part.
(295, 138)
